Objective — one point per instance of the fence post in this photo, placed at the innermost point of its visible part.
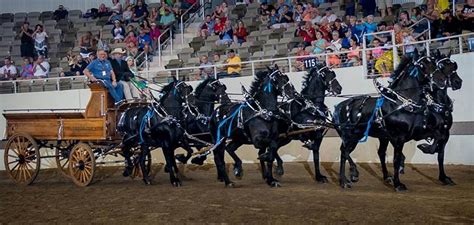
(177, 74)
(253, 68)
(159, 50)
(364, 55)
(171, 40)
(57, 84)
(14, 87)
(215, 72)
(460, 45)
(395, 51)
(289, 66)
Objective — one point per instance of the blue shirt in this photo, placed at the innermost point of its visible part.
(97, 68)
(142, 40)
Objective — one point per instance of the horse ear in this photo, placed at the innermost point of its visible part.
(268, 68)
(449, 54)
(276, 66)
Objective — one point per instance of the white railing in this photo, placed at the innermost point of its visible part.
(160, 48)
(427, 30)
(365, 49)
(253, 64)
(187, 12)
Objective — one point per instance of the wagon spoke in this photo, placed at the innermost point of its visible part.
(87, 172)
(30, 166)
(13, 156)
(13, 162)
(14, 167)
(27, 171)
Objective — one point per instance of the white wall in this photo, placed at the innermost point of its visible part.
(459, 148)
(13, 6)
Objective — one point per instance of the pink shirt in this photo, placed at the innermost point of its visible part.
(155, 33)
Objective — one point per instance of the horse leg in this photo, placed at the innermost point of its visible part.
(144, 152)
(231, 148)
(353, 167)
(345, 149)
(315, 148)
(220, 164)
(382, 152)
(128, 161)
(272, 150)
(442, 175)
(397, 158)
(171, 166)
(189, 152)
(262, 163)
(279, 168)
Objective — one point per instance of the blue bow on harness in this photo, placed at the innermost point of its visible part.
(223, 122)
(147, 116)
(378, 105)
(414, 72)
(268, 87)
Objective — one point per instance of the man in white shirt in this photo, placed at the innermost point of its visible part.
(329, 15)
(8, 71)
(336, 41)
(41, 68)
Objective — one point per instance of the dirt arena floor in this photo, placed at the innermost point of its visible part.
(115, 199)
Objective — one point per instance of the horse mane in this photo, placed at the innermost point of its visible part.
(257, 82)
(307, 78)
(202, 85)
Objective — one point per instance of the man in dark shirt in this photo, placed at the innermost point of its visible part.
(60, 13)
(27, 46)
(123, 74)
(287, 15)
(450, 25)
(140, 12)
(468, 16)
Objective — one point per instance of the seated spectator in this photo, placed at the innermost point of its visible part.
(127, 3)
(76, 68)
(336, 41)
(41, 47)
(240, 34)
(168, 18)
(354, 55)
(154, 14)
(315, 16)
(298, 15)
(207, 28)
(103, 11)
(27, 43)
(358, 30)
(320, 44)
(144, 42)
(325, 28)
(307, 32)
(404, 19)
(220, 13)
(333, 59)
(370, 27)
(8, 71)
(60, 13)
(118, 32)
(101, 69)
(145, 26)
(123, 74)
(131, 65)
(299, 65)
(407, 38)
(220, 69)
(131, 38)
(346, 40)
(207, 71)
(41, 68)
(274, 18)
(339, 27)
(378, 51)
(226, 36)
(116, 7)
(140, 12)
(286, 18)
(232, 64)
(264, 12)
(383, 37)
(127, 15)
(329, 15)
(385, 7)
(26, 70)
(218, 26)
(132, 50)
(131, 29)
(467, 15)
(155, 34)
(450, 25)
(85, 44)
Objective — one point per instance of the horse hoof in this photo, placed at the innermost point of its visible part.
(177, 183)
(279, 171)
(447, 181)
(230, 185)
(401, 170)
(275, 184)
(322, 179)
(355, 179)
(238, 173)
(401, 188)
(388, 180)
(147, 181)
(181, 158)
(345, 184)
(127, 172)
(427, 149)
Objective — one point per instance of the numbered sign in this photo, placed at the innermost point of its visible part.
(310, 63)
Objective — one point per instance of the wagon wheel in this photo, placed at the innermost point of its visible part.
(62, 156)
(22, 158)
(137, 172)
(82, 164)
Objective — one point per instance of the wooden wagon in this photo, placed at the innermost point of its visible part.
(80, 139)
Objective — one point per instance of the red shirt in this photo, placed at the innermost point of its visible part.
(308, 35)
(241, 33)
(325, 32)
(218, 27)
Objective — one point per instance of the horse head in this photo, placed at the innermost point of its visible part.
(429, 71)
(449, 68)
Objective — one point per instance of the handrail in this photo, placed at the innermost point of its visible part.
(429, 26)
(182, 22)
(159, 42)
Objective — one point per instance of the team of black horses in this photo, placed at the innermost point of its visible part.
(414, 106)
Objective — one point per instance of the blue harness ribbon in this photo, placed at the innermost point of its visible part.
(223, 122)
(378, 105)
(268, 87)
(147, 116)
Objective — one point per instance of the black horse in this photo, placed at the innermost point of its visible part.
(156, 125)
(438, 119)
(308, 111)
(397, 115)
(198, 110)
(255, 121)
